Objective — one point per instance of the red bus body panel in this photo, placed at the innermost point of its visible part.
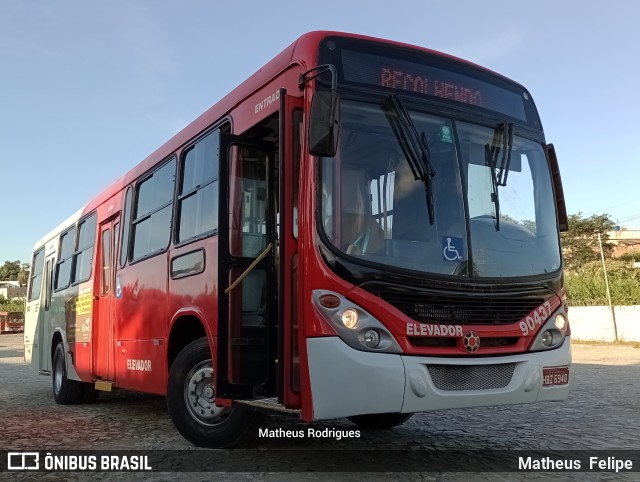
(139, 318)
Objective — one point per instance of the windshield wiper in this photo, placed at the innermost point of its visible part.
(414, 146)
(502, 140)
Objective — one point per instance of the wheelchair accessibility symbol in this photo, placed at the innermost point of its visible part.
(451, 248)
(118, 288)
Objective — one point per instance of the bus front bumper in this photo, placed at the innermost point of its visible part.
(346, 382)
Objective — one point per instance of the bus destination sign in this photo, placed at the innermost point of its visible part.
(398, 79)
(451, 83)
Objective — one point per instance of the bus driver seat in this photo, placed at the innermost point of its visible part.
(360, 233)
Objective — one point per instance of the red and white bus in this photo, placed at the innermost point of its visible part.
(11, 321)
(362, 229)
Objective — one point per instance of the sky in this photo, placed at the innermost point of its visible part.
(89, 89)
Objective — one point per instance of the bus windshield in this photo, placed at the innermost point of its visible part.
(375, 209)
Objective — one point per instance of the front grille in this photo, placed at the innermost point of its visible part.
(451, 378)
(487, 310)
(432, 342)
(446, 342)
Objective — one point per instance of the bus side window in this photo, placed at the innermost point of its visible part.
(151, 227)
(124, 246)
(105, 262)
(63, 266)
(35, 282)
(83, 257)
(198, 194)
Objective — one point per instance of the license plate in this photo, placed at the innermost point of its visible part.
(552, 376)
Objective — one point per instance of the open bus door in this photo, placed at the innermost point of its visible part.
(247, 299)
(291, 117)
(45, 319)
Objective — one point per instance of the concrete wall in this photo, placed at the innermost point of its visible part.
(596, 323)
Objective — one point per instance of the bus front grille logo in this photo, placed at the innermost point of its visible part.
(471, 341)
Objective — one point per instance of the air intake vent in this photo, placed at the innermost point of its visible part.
(462, 310)
(452, 378)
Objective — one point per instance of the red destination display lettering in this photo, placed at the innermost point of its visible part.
(457, 93)
(397, 79)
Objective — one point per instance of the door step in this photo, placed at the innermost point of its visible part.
(269, 405)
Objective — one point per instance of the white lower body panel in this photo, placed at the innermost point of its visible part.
(347, 382)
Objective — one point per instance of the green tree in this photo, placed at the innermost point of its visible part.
(10, 270)
(580, 243)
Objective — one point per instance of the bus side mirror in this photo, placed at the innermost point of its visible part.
(323, 124)
(563, 221)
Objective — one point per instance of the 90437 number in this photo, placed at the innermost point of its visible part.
(532, 322)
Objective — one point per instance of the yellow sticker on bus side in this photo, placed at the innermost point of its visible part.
(84, 304)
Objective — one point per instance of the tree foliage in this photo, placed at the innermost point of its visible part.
(15, 271)
(11, 305)
(10, 270)
(580, 243)
(587, 287)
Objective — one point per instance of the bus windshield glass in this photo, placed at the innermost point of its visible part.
(374, 208)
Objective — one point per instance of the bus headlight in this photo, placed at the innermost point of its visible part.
(350, 318)
(371, 339)
(354, 325)
(560, 321)
(551, 334)
(547, 338)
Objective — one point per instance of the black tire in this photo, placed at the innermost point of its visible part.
(380, 421)
(190, 402)
(65, 391)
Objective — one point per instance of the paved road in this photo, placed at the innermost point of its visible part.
(602, 413)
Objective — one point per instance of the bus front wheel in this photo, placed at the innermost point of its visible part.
(380, 421)
(191, 402)
(65, 391)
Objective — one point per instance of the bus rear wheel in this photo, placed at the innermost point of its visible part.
(65, 391)
(380, 421)
(191, 402)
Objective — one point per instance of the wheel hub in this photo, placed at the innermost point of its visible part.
(200, 395)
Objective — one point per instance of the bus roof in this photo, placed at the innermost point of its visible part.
(302, 51)
(58, 229)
